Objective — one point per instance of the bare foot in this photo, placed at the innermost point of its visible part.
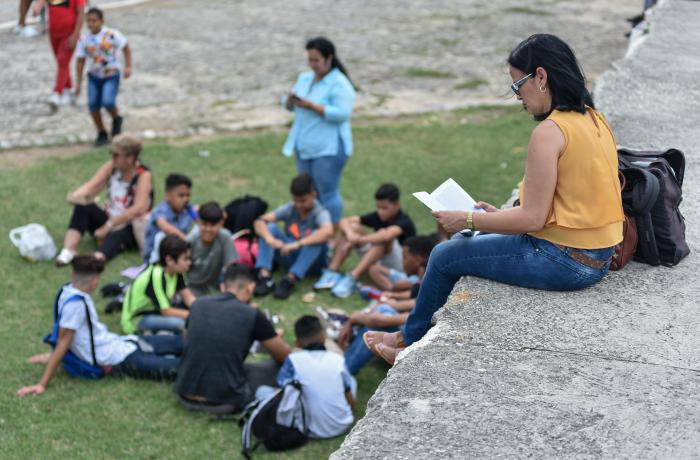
(41, 358)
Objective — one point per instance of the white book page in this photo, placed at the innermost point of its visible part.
(452, 197)
(428, 200)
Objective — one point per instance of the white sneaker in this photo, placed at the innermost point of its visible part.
(54, 100)
(64, 257)
(28, 32)
(67, 98)
(17, 29)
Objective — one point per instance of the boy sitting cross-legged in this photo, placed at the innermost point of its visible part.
(301, 248)
(81, 333)
(391, 228)
(327, 389)
(148, 304)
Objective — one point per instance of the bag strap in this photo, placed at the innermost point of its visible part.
(55, 302)
(92, 337)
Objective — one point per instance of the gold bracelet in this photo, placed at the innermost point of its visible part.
(470, 220)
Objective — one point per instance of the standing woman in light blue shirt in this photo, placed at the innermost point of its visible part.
(321, 138)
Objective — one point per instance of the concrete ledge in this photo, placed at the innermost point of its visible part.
(612, 371)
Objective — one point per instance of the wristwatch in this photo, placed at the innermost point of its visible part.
(470, 220)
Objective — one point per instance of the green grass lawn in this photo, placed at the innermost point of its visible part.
(482, 149)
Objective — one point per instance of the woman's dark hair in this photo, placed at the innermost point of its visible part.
(97, 12)
(326, 48)
(565, 78)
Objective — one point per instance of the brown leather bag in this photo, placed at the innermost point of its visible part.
(624, 251)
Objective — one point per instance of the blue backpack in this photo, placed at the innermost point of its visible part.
(71, 362)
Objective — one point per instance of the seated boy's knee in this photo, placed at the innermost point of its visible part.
(376, 270)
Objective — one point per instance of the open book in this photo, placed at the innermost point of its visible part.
(448, 197)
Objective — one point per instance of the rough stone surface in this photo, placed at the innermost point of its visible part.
(609, 372)
(222, 65)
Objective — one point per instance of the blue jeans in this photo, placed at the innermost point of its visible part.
(326, 172)
(308, 259)
(102, 92)
(357, 354)
(157, 358)
(520, 260)
(161, 323)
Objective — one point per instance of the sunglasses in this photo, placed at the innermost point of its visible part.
(517, 84)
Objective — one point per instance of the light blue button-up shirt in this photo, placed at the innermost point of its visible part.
(312, 135)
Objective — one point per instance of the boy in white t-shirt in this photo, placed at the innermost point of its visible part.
(327, 388)
(101, 46)
(154, 357)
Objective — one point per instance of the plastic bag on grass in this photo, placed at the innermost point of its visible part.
(33, 242)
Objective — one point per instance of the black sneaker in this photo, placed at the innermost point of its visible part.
(101, 139)
(285, 288)
(263, 286)
(117, 126)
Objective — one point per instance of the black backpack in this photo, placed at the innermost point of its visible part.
(278, 421)
(242, 212)
(652, 195)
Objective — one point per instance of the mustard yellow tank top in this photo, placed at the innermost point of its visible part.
(587, 207)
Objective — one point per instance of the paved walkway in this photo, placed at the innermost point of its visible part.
(609, 372)
(217, 66)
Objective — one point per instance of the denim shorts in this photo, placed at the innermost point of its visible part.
(102, 92)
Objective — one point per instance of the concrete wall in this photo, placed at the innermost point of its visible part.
(612, 371)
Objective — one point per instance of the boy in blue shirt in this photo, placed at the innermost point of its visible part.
(301, 248)
(173, 216)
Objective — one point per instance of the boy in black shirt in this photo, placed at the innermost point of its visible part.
(391, 227)
(213, 375)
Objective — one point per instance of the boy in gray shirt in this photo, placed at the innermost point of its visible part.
(212, 250)
(303, 245)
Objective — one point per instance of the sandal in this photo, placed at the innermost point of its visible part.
(369, 346)
(380, 335)
(385, 352)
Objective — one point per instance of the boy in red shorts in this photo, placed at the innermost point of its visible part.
(65, 22)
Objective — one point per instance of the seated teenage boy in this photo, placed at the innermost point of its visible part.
(301, 248)
(220, 331)
(393, 310)
(328, 390)
(173, 216)
(212, 250)
(148, 304)
(391, 227)
(142, 357)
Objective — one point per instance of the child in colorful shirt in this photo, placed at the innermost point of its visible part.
(101, 45)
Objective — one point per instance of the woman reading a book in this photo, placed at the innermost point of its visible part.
(562, 235)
